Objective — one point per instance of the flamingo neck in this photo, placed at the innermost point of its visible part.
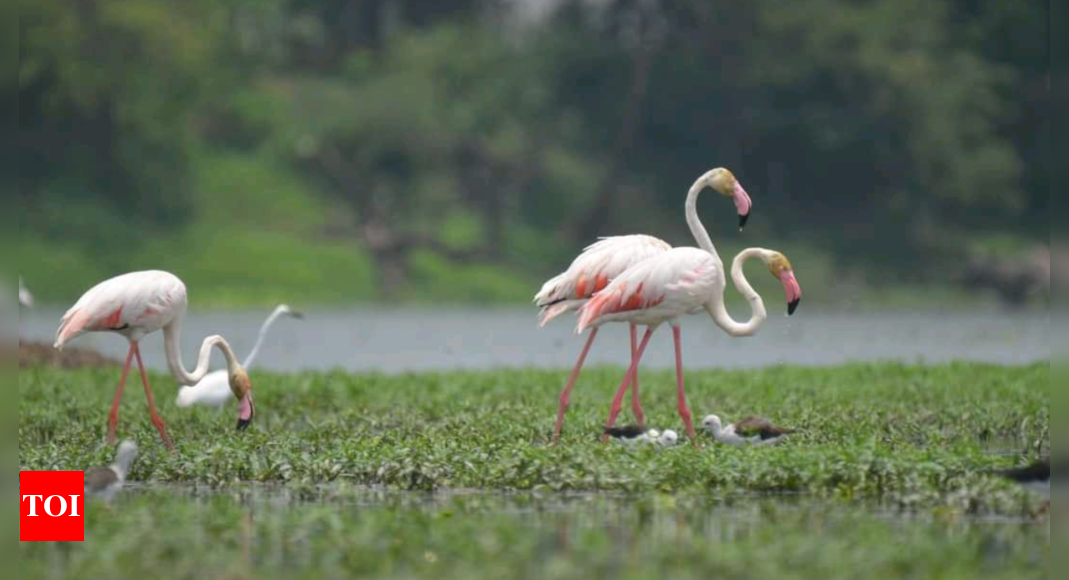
(263, 334)
(172, 334)
(718, 309)
(696, 228)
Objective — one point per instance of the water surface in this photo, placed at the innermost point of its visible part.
(397, 341)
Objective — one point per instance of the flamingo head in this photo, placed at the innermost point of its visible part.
(241, 386)
(781, 269)
(725, 183)
(285, 310)
(669, 438)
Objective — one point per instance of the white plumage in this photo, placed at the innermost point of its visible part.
(140, 303)
(214, 389)
(589, 273)
(25, 298)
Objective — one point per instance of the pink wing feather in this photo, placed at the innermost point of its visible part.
(142, 301)
(593, 270)
(676, 283)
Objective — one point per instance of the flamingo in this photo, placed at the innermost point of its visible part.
(214, 390)
(603, 261)
(25, 298)
(681, 282)
(138, 304)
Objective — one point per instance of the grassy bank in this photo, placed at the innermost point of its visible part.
(912, 435)
(450, 475)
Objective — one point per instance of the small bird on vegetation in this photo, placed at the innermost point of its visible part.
(633, 435)
(105, 482)
(749, 431)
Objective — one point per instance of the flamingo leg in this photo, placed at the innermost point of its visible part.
(113, 416)
(636, 406)
(618, 400)
(156, 420)
(684, 412)
(565, 396)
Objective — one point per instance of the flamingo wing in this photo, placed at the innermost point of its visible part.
(593, 270)
(677, 282)
(145, 300)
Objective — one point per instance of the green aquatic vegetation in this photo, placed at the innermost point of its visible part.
(912, 435)
(265, 534)
(451, 476)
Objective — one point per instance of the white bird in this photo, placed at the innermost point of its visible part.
(25, 298)
(214, 390)
(106, 482)
(136, 305)
(602, 262)
(677, 283)
(749, 431)
(633, 435)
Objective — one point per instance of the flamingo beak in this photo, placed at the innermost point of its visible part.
(241, 386)
(246, 412)
(743, 204)
(793, 291)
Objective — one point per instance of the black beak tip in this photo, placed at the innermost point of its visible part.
(244, 424)
(793, 307)
(743, 220)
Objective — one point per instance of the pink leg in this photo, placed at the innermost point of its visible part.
(152, 402)
(684, 412)
(618, 400)
(636, 406)
(113, 417)
(566, 395)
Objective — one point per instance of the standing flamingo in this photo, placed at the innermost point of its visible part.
(680, 282)
(603, 261)
(136, 305)
(214, 390)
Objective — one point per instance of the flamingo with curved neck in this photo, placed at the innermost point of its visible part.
(136, 305)
(610, 257)
(214, 389)
(684, 281)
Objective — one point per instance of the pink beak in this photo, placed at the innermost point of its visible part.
(793, 290)
(246, 411)
(743, 204)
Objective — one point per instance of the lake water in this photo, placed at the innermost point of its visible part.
(397, 341)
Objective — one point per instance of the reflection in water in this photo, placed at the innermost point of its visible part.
(394, 341)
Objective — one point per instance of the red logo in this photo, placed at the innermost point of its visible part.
(52, 506)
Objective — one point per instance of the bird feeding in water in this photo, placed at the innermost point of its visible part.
(138, 304)
(214, 389)
(602, 262)
(633, 435)
(681, 282)
(749, 431)
(106, 482)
